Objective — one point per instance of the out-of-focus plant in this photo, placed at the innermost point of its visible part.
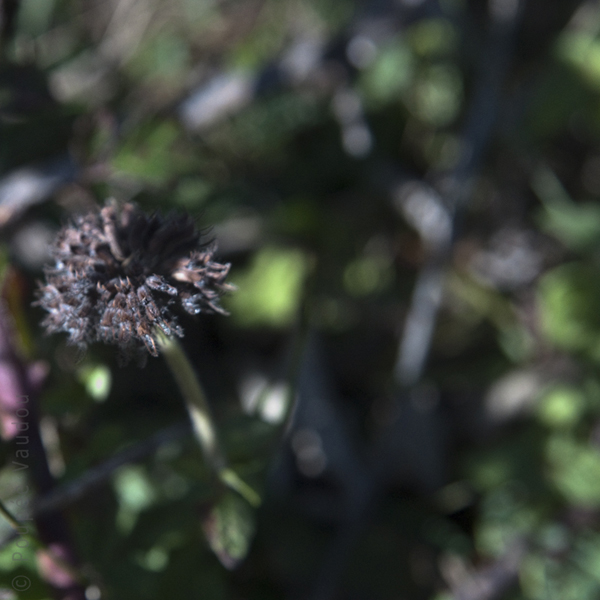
(370, 170)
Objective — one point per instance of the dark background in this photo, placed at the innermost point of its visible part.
(408, 193)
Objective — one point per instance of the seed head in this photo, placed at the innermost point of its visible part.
(120, 274)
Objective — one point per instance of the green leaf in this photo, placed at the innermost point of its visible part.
(575, 470)
(152, 154)
(390, 75)
(577, 226)
(229, 527)
(562, 406)
(134, 492)
(569, 300)
(97, 380)
(270, 291)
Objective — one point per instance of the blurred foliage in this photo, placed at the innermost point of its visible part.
(308, 138)
(270, 289)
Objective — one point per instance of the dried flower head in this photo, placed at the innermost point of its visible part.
(120, 274)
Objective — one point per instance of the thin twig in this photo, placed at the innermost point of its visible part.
(66, 494)
(415, 342)
(9, 517)
(420, 322)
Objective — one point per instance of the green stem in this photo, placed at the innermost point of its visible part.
(9, 517)
(201, 417)
(195, 401)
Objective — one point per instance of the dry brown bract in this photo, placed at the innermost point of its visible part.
(119, 274)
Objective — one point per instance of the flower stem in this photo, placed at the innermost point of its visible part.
(201, 417)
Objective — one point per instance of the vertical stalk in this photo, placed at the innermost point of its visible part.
(201, 416)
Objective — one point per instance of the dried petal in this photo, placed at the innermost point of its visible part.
(118, 276)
